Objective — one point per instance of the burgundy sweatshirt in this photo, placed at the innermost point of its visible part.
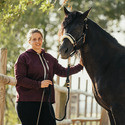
(29, 73)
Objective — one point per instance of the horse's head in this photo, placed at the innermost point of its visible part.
(73, 27)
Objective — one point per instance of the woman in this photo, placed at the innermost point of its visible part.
(34, 71)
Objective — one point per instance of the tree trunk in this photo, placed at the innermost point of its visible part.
(3, 63)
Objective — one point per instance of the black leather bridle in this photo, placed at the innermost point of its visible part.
(75, 42)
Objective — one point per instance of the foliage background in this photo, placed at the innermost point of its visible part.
(18, 16)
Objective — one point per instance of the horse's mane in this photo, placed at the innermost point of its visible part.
(102, 31)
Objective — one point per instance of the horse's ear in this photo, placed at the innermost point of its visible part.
(85, 14)
(66, 11)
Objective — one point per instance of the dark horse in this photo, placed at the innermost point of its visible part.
(103, 58)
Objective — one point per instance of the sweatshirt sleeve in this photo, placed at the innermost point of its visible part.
(21, 75)
(62, 71)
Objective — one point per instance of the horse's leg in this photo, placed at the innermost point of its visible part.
(112, 121)
(118, 112)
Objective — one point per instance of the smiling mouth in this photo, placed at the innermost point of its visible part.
(38, 44)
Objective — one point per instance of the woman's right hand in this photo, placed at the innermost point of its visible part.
(45, 83)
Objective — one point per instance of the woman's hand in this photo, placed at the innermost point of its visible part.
(45, 83)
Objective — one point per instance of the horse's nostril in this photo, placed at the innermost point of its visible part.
(66, 50)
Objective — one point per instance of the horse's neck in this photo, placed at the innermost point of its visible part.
(100, 51)
(89, 63)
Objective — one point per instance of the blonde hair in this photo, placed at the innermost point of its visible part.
(31, 31)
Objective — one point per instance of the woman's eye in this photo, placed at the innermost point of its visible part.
(34, 39)
(40, 39)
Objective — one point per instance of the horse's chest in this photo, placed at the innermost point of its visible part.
(98, 91)
(101, 89)
(102, 92)
(100, 96)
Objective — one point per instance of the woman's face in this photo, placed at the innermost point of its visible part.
(36, 41)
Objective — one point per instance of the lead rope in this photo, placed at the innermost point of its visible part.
(49, 100)
(40, 107)
(45, 77)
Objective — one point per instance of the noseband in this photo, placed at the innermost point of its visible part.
(75, 42)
